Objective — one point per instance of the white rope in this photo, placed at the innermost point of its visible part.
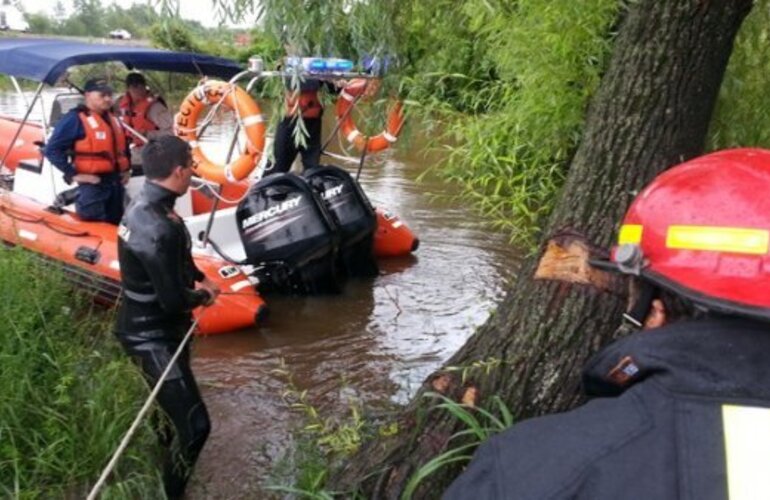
(135, 425)
(349, 159)
(217, 195)
(210, 114)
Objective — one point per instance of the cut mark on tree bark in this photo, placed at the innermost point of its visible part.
(470, 396)
(566, 259)
(441, 383)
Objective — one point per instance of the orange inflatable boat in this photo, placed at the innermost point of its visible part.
(233, 241)
(88, 251)
(24, 148)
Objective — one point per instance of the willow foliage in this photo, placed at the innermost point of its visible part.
(503, 86)
(741, 117)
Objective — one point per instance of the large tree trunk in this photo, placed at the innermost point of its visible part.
(652, 111)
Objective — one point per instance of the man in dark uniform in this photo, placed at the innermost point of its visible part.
(159, 276)
(304, 102)
(679, 411)
(89, 146)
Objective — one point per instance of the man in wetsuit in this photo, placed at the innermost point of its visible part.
(159, 281)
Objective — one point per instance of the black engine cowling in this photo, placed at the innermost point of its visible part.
(354, 215)
(289, 236)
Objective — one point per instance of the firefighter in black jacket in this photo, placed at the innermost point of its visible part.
(159, 277)
(679, 411)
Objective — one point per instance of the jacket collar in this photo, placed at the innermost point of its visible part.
(157, 194)
(713, 356)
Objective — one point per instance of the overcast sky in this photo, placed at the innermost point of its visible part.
(196, 10)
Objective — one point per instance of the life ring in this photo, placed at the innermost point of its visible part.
(348, 129)
(249, 115)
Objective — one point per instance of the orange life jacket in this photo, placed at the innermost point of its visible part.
(103, 149)
(134, 114)
(308, 103)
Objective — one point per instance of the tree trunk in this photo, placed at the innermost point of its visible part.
(652, 111)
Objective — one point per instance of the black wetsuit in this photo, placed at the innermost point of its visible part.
(158, 277)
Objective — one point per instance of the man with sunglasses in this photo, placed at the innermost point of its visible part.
(89, 146)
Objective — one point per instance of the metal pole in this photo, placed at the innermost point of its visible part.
(18, 89)
(21, 125)
(233, 142)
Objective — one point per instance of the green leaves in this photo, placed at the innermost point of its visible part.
(740, 117)
(67, 392)
(480, 424)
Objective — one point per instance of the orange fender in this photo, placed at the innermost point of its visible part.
(393, 238)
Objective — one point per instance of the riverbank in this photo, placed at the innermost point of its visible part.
(68, 392)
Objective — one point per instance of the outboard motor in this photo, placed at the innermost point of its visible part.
(354, 214)
(289, 236)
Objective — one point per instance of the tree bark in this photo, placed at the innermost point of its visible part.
(652, 111)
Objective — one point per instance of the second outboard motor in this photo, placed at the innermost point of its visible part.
(289, 236)
(354, 215)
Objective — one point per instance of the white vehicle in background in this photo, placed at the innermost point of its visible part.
(120, 34)
(11, 18)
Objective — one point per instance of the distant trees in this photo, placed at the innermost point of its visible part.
(91, 18)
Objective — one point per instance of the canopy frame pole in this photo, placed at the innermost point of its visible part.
(233, 143)
(23, 122)
(18, 90)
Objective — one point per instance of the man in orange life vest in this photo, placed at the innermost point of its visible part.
(307, 103)
(89, 146)
(144, 112)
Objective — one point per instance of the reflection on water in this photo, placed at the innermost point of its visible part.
(376, 341)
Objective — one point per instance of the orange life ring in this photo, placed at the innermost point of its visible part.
(348, 128)
(250, 117)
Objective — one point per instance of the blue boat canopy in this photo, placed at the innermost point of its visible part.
(47, 59)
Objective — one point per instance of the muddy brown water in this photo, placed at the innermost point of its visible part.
(375, 342)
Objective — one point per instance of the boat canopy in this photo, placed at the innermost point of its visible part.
(46, 59)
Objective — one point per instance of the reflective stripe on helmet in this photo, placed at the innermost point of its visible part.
(630, 233)
(747, 441)
(719, 239)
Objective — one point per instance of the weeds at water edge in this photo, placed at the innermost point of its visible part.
(320, 443)
(480, 425)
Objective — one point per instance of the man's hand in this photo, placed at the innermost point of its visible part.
(86, 179)
(212, 289)
(125, 177)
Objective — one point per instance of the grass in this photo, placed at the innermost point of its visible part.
(67, 391)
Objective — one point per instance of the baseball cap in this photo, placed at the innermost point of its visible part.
(97, 85)
(135, 79)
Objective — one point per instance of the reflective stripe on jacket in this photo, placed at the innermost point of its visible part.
(678, 412)
(103, 149)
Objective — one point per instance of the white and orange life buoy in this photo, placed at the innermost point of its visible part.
(349, 95)
(250, 116)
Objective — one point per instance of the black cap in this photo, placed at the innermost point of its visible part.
(97, 85)
(135, 79)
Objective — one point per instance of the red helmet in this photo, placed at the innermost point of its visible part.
(702, 230)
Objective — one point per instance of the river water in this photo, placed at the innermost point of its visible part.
(376, 342)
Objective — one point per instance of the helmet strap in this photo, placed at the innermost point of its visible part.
(641, 306)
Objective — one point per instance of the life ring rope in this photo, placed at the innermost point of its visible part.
(214, 93)
(348, 98)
